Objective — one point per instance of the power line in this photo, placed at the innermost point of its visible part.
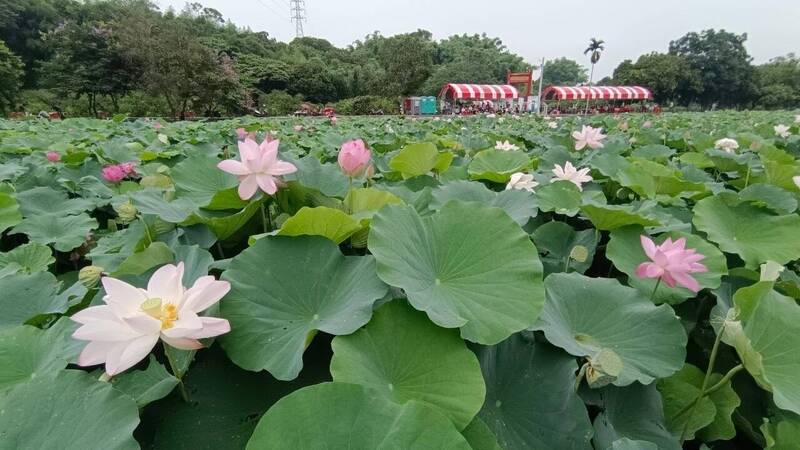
(298, 12)
(265, 5)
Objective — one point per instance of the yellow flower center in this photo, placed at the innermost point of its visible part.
(166, 313)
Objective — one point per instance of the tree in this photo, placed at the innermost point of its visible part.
(668, 76)
(11, 72)
(723, 64)
(778, 82)
(88, 61)
(594, 50)
(563, 71)
(407, 60)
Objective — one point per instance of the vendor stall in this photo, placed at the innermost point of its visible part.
(459, 98)
(613, 99)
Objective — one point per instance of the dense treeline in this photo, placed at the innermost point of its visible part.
(126, 56)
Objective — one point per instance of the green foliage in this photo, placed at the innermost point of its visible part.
(11, 72)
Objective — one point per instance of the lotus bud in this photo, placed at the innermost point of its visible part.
(126, 212)
(89, 276)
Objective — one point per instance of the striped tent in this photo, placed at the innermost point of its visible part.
(596, 92)
(479, 91)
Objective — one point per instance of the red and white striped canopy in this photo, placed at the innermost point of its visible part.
(479, 91)
(596, 92)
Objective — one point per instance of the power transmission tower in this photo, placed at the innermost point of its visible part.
(298, 13)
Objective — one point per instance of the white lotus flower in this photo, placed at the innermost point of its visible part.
(124, 330)
(571, 174)
(521, 182)
(796, 181)
(797, 118)
(588, 136)
(491, 116)
(781, 130)
(727, 144)
(505, 146)
(552, 124)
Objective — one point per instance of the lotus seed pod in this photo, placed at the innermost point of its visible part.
(579, 253)
(603, 369)
(126, 212)
(89, 276)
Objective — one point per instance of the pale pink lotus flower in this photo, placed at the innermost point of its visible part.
(124, 330)
(671, 262)
(571, 174)
(796, 181)
(727, 144)
(797, 118)
(53, 156)
(259, 168)
(354, 158)
(298, 128)
(521, 182)
(505, 146)
(113, 173)
(241, 134)
(781, 130)
(491, 116)
(158, 126)
(334, 120)
(647, 124)
(588, 136)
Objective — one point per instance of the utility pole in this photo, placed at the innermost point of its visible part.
(298, 14)
(541, 82)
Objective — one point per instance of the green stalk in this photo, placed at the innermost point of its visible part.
(653, 295)
(704, 386)
(178, 375)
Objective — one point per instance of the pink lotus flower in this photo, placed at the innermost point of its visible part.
(113, 173)
(158, 126)
(53, 156)
(354, 158)
(242, 134)
(647, 124)
(334, 120)
(588, 136)
(124, 330)
(571, 174)
(259, 168)
(672, 263)
(128, 168)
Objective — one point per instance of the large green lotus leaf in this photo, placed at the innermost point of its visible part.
(26, 296)
(779, 200)
(64, 232)
(561, 197)
(628, 444)
(479, 436)
(341, 415)
(146, 386)
(564, 247)
(598, 318)
(225, 402)
(725, 401)
(30, 257)
(151, 201)
(331, 223)
(753, 233)
(406, 357)
(626, 252)
(283, 289)
(198, 180)
(519, 205)
(156, 254)
(497, 165)
(678, 393)
(9, 212)
(482, 275)
(414, 160)
(44, 201)
(113, 248)
(530, 396)
(27, 353)
(781, 432)
(648, 178)
(766, 335)
(610, 217)
(69, 411)
(224, 224)
(634, 412)
(325, 178)
(779, 167)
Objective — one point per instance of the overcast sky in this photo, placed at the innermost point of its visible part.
(534, 29)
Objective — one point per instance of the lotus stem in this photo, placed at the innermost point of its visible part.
(704, 386)
(653, 295)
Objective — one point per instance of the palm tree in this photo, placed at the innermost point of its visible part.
(595, 48)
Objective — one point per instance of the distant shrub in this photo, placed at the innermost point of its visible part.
(367, 104)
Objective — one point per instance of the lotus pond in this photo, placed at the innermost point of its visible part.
(489, 283)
